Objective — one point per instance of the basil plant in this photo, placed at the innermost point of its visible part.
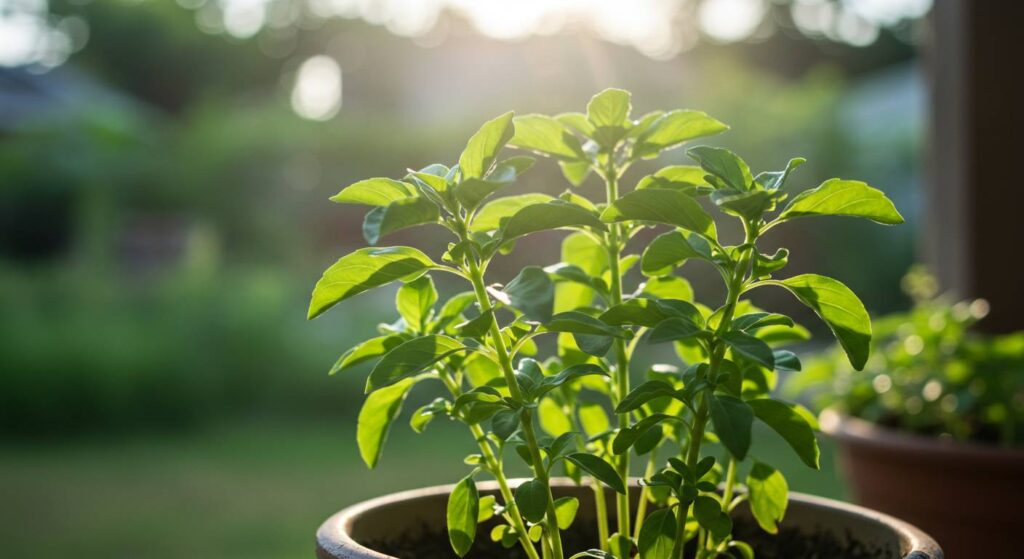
(576, 411)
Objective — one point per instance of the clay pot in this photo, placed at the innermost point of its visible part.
(424, 509)
(968, 496)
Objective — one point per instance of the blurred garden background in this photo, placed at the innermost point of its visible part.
(164, 173)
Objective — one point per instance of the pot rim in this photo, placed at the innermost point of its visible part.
(848, 428)
(333, 539)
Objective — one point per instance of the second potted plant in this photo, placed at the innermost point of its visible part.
(551, 413)
(933, 429)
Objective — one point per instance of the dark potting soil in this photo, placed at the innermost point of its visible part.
(787, 544)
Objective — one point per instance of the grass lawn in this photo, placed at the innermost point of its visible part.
(242, 490)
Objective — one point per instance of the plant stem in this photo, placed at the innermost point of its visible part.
(600, 503)
(641, 510)
(619, 347)
(526, 416)
(496, 469)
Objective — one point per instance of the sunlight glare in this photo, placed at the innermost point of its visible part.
(317, 91)
(731, 20)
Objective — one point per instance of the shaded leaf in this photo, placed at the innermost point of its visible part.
(375, 418)
(410, 358)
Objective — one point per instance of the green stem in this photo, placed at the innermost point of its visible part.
(621, 356)
(641, 510)
(600, 503)
(505, 361)
(496, 469)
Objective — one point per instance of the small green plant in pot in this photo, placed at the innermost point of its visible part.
(576, 410)
(936, 417)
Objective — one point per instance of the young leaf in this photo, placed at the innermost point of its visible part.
(723, 164)
(661, 206)
(398, 215)
(733, 420)
(463, 511)
(840, 197)
(363, 270)
(839, 307)
(769, 496)
(565, 511)
(375, 418)
(555, 214)
(533, 293)
(774, 180)
(415, 300)
(477, 327)
(669, 287)
(472, 191)
(576, 322)
(750, 347)
(491, 215)
(546, 136)
(611, 107)
(370, 349)
(756, 320)
(568, 374)
(532, 499)
(452, 309)
(484, 146)
(410, 358)
(601, 470)
(795, 424)
(658, 535)
(375, 192)
(672, 249)
(673, 128)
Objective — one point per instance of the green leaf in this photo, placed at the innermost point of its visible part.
(775, 180)
(601, 470)
(375, 192)
(532, 499)
(610, 107)
(410, 358)
(593, 418)
(839, 307)
(710, 516)
(375, 418)
(546, 136)
(575, 171)
(795, 424)
(484, 146)
(733, 420)
(723, 164)
(463, 511)
(648, 312)
(533, 293)
(748, 204)
(565, 511)
(673, 329)
(840, 197)
(555, 214)
(415, 301)
(477, 327)
(685, 178)
(672, 249)
(593, 554)
(363, 270)
(576, 322)
(402, 214)
(505, 423)
(628, 436)
(491, 215)
(521, 163)
(756, 320)
(786, 360)
(674, 128)
(433, 177)
(750, 347)
(658, 535)
(568, 374)
(580, 250)
(661, 206)
(472, 191)
(370, 349)
(769, 496)
(452, 309)
(644, 393)
(669, 287)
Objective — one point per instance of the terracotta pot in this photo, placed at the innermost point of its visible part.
(969, 497)
(413, 511)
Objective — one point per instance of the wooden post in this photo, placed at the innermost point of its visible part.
(975, 194)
